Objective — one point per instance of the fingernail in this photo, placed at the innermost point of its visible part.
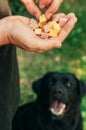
(41, 6)
(57, 44)
(48, 15)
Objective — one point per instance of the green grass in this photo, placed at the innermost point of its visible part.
(70, 58)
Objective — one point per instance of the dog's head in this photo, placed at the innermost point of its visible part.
(59, 93)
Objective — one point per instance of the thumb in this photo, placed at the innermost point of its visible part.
(47, 44)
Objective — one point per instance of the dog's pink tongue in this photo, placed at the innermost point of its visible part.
(55, 104)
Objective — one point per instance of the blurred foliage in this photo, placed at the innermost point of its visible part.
(70, 58)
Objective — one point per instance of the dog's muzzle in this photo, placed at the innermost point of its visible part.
(57, 105)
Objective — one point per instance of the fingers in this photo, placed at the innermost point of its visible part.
(60, 18)
(52, 8)
(32, 8)
(47, 44)
(56, 17)
(68, 26)
(62, 21)
(40, 45)
(44, 3)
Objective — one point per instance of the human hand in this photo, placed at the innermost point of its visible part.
(51, 5)
(18, 32)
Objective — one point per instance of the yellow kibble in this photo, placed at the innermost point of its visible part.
(38, 31)
(41, 24)
(55, 29)
(42, 18)
(47, 28)
(52, 34)
(54, 25)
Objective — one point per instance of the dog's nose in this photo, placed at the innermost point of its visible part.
(58, 93)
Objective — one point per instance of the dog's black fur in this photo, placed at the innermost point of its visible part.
(63, 87)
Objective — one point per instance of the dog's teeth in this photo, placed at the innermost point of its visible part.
(56, 113)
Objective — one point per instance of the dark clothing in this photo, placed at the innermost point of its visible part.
(9, 80)
(9, 90)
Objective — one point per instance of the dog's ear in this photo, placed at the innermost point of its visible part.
(82, 87)
(36, 86)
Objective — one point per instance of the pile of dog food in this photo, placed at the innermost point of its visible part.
(45, 29)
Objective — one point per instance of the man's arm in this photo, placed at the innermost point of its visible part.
(4, 11)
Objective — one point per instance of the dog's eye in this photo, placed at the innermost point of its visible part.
(50, 82)
(68, 84)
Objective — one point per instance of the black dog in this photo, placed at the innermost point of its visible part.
(57, 106)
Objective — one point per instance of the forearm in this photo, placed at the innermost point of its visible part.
(4, 11)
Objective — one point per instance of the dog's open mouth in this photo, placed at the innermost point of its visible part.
(57, 108)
